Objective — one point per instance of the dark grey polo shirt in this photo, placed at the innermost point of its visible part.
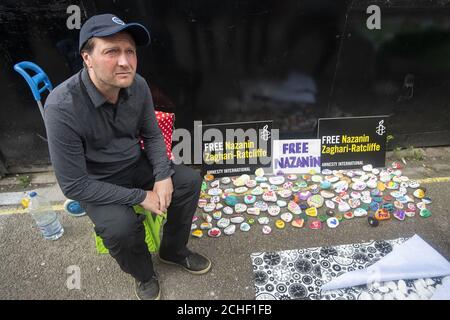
(90, 139)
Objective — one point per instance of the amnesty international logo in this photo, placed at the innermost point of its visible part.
(381, 129)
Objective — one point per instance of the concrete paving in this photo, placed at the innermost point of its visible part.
(34, 268)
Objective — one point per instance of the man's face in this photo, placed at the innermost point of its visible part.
(113, 60)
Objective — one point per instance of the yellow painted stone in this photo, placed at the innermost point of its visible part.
(209, 177)
(312, 212)
(197, 233)
(381, 186)
(259, 172)
(280, 224)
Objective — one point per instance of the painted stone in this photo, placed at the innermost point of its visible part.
(266, 230)
(269, 196)
(214, 232)
(210, 207)
(217, 215)
(257, 191)
(193, 226)
(281, 203)
(273, 210)
(208, 177)
(237, 219)
(399, 215)
(354, 203)
(332, 222)
(285, 193)
(254, 211)
(382, 214)
(348, 215)
(398, 205)
(314, 188)
(343, 206)
(376, 193)
(260, 179)
(374, 206)
(360, 212)
(326, 194)
(223, 223)
(381, 186)
(316, 178)
(413, 184)
(288, 185)
(329, 213)
(263, 220)
(419, 194)
(426, 200)
(330, 204)
(251, 221)
(250, 199)
(231, 229)
(397, 194)
(367, 168)
(286, 217)
(231, 201)
(244, 227)
(194, 218)
(332, 179)
(322, 217)
(315, 225)
(225, 180)
(197, 233)
(325, 184)
(298, 223)
(355, 195)
(326, 172)
(215, 184)
(259, 172)
(251, 184)
(292, 177)
(315, 201)
(206, 226)
(294, 208)
(202, 203)
(372, 222)
(280, 224)
(391, 185)
(228, 210)
(219, 206)
(340, 186)
(305, 195)
(276, 180)
(240, 207)
(273, 187)
(241, 190)
(372, 183)
(359, 185)
(312, 212)
(339, 216)
(388, 198)
(261, 205)
(388, 206)
(425, 213)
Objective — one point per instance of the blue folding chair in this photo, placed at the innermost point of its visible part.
(39, 83)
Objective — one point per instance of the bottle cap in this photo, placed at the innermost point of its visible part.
(33, 194)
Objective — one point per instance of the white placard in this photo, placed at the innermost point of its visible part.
(296, 156)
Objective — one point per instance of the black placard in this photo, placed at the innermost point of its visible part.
(353, 142)
(232, 155)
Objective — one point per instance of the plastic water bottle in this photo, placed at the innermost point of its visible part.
(45, 217)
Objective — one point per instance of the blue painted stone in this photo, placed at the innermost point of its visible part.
(374, 206)
(325, 184)
(231, 200)
(377, 199)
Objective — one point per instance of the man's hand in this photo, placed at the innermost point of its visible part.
(152, 203)
(164, 190)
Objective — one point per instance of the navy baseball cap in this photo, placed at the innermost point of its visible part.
(104, 25)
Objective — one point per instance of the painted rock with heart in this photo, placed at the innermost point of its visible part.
(223, 223)
(343, 206)
(261, 205)
(231, 229)
(269, 196)
(312, 212)
(273, 210)
(298, 223)
(197, 233)
(240, 207)
(348, 215)
(214, 232)
(288, 185)
(286, 217)
(315, 201)
(266, 230)
(305, 195)
(250, 199)
(236, 219)
(263, 220)
(332, 222)
(360, 212)
(399, 215)
(280, 224)
(231, 200)
(382, 214)
(292, 177)
(315, 225)
(254, 211)
(206, 226)
(277, 180)
(251, 184)
(244, 227)
(294, 207)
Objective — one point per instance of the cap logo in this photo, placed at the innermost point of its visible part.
(118, 21)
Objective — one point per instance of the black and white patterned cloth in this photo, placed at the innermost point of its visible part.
(300, 274)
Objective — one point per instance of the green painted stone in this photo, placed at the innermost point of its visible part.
(425, 213)
(365, 206)
(231, 200)
(251, 221)
(323, 217)
(339, 216)
(204, 186)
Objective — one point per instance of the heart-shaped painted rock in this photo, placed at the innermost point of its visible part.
(197, 233)
(298, 223)
(399, 215)
(250, 199)
(312, 212)
(315, 225)
(294, 207)
(305, 195)
(382, 214)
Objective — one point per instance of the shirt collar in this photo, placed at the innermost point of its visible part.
(96, 97)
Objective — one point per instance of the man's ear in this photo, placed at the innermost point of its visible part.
(86, 59)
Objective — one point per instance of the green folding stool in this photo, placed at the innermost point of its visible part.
(152, 225)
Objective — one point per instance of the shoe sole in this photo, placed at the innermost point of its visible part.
(157, 298)
(190, 271)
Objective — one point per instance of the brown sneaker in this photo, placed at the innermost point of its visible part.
(194, 263)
